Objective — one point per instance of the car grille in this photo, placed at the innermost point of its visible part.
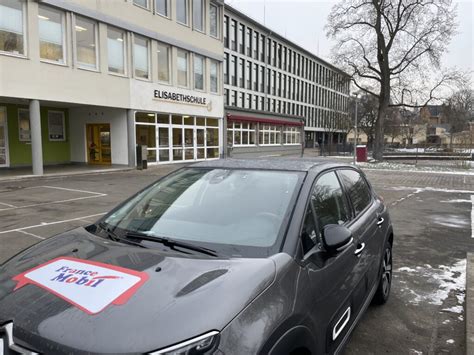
(7, 347)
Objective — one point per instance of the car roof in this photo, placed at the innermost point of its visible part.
(284, 163)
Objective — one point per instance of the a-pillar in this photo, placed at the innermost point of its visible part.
(131, 140)
(36, 143)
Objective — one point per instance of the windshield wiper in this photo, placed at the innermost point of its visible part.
(112, 235)
(172, 243)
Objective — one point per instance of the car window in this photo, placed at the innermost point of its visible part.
(357, 188)
(235, 211)
(328, 201)
(309, 235)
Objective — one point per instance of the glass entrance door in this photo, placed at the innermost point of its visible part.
(99, 150)
(3, 138)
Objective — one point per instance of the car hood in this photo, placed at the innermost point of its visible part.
(182, 296)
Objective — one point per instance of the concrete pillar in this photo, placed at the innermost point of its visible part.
(36, 144)
(131, 139)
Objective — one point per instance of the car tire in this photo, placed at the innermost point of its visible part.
(385, 280)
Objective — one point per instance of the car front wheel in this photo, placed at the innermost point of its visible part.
(385, 282)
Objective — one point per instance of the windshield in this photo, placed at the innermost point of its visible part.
(239, 212)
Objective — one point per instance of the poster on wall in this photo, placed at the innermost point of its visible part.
(56, 129)
(24, 125)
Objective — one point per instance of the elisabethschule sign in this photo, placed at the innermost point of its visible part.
(173, 96)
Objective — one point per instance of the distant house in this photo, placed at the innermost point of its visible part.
(431, 114)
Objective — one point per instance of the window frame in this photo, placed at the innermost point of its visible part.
(308, 203)
(277, 132)
(63, 37)
(203, 16)
(168, 12)
(148, 7)
(218, 21)
(125, 50)
(187, 68)
(212, 61)
(96, 41)
(63, 116)
(355, 216)
(148, 46)
(169, 49)
(20, 139)
(186, 11)
(203, 59)
(241, 129)
(24, 33)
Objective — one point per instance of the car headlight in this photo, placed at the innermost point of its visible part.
(200, 345)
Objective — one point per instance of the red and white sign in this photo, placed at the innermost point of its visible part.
(89, 285)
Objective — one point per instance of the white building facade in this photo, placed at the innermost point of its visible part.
(86, 81)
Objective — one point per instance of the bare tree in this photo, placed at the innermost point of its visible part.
(390, 47)
(458, 110)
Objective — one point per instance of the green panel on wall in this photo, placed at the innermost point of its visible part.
(20, 152)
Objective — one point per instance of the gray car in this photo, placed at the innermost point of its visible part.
(222, 257)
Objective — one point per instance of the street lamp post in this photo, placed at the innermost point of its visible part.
(355, 129)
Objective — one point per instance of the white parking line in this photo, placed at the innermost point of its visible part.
(7, 204)
(74, 190)
(30, 234)
(94, 195)
(44, 224)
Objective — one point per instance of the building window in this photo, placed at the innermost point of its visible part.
(182, 11)
(163, 63)
(182, 68)
(291, 135)
(198, 72)
(233, 70)
(142, 3)
(56, 126)
(12, 29)
(51, 34)
(214, 76)
(241, 38)
(226, 31)
(116, 50)
(248, 42)
(233, 35)
(24, 130)
(241, 134)
(161, 7)
(214, 20)
(269, 134)
(198, 15)
(86, 43)
(140, 57)
(240, 72)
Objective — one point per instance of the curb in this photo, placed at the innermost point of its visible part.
(470, 304)
(59, 175)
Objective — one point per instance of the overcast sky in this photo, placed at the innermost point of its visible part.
(303, 21)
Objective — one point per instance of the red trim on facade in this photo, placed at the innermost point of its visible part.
(264, 120)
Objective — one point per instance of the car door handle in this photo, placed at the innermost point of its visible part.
(380, 221)
(359, 249)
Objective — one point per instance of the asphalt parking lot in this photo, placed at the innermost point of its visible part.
(431, 214)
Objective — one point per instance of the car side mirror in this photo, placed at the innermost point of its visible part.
(336, 237)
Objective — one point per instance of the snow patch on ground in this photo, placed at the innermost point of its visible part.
(444, 279)
(416, 352)
(450, 341)
(455, 309)
(451, 221)
(447, 321)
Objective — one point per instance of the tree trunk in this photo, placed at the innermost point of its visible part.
(379, 128)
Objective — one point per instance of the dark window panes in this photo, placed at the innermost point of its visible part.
(164, 155)
(163, 118)
(328, 201)
(357, 188)
(177, 120)
(145, 117)
(146, 135)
